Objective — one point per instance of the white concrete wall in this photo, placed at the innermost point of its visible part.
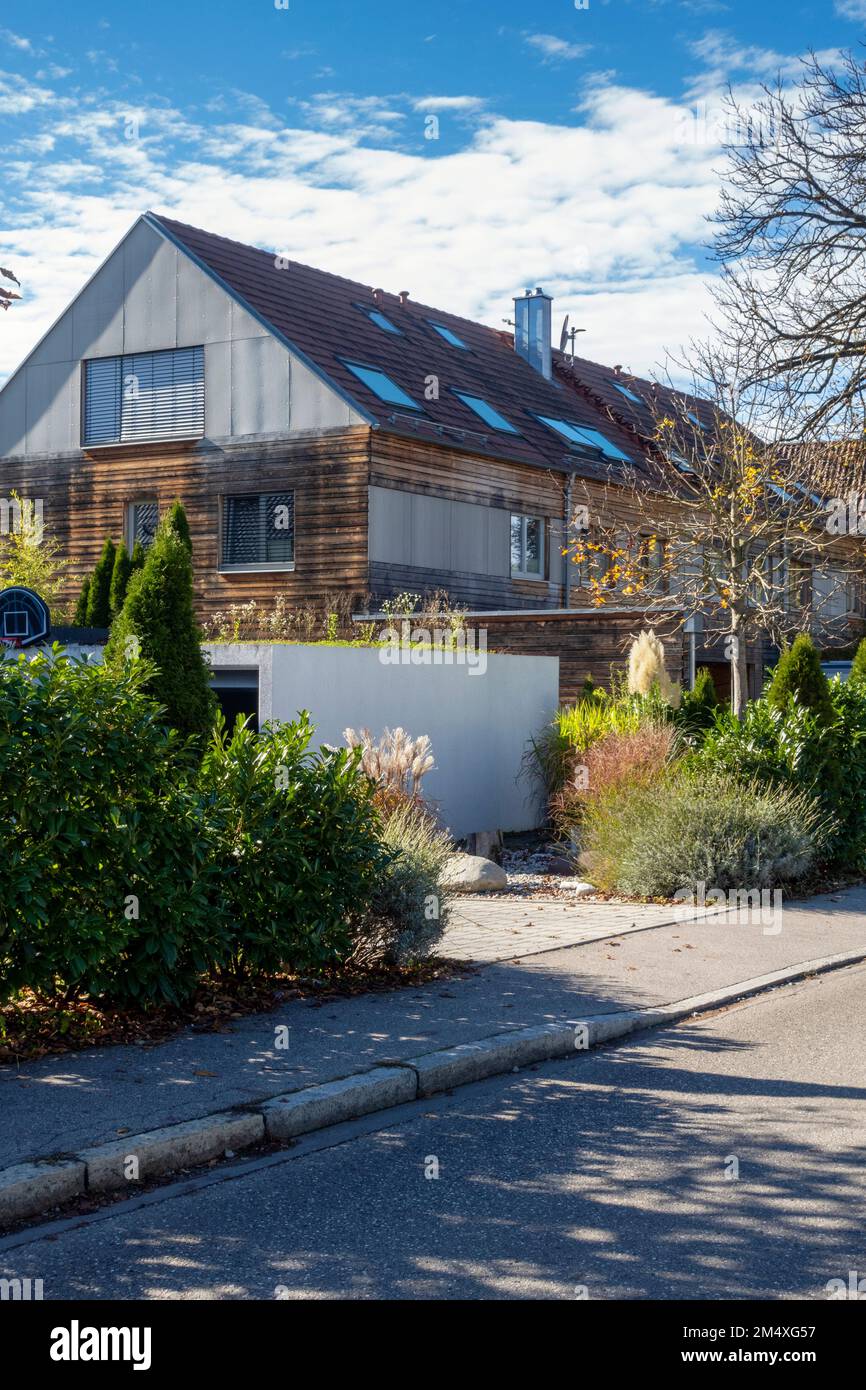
(479, 725)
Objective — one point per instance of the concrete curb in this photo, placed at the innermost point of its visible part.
(28, 1189)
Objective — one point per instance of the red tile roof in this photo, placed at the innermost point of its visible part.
(321, 316)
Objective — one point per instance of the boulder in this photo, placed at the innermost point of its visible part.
(470, 873)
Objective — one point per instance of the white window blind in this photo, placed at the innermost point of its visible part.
(143, 396)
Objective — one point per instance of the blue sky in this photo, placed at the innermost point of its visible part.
(574, 148)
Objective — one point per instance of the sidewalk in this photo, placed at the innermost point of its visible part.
(60, 1105)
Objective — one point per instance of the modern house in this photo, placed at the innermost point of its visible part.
(325, 438)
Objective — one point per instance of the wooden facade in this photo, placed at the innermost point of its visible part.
(85, 498)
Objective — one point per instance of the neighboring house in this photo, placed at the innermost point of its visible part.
(324, 437)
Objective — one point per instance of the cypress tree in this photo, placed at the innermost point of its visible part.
(99, 596)
(176, 520)
(138, 553)
(858, 665)
(120, 576)
(80, 618)
(158, 615)
(798, 676)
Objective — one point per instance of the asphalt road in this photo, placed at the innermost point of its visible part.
(721, 1159)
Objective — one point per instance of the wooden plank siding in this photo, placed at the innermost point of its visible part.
(587, 644)
(85, 498)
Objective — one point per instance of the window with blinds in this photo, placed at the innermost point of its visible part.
(258, 532)
(145, 395)
(142, 519)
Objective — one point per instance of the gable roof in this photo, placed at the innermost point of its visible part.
(322, 317)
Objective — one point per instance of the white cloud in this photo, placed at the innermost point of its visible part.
(604, 210)
(368, 118)
(433, 103)
(18, 96)
(16, 41)
(556, 50)
(851, 9)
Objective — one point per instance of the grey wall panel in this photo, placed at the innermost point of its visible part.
(260, 387)
(204, 311)
(150, 302)
(97, 314)
(431, 531)
(469, 530)
(13, 421)
(53, 407)
(241, 323)
(150, 296)
(314, 405)
(390, 525)
(499, 543)
(57, 346)
(217, 390)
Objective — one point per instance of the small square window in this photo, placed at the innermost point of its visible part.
(258, 531)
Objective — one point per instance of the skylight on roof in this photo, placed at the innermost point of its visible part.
(624, 391)
(682, 463)
(448, 335)
(487, 413)
(780, 492)
(698, 424)
(381, 321)
(381, 385)
(584, 434)
(806, 492)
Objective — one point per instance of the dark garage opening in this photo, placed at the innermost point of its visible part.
(237, 691)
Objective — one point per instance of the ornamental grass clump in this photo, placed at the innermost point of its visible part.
(618, 761)
(396, 763)
(647, 671)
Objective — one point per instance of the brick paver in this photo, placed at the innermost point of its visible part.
(491, 928)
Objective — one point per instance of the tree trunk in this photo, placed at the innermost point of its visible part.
(737, 656)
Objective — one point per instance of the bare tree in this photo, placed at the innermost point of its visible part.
(791, 232)
(6, 296)
(741, 531)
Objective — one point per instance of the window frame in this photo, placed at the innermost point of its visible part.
(448, 336)
(255, 567)
(129, 521)
(539, 576)
(505, 428)
(374, 314)
(139, 441)
(553, 424)
(626, 391)
(352, 364)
